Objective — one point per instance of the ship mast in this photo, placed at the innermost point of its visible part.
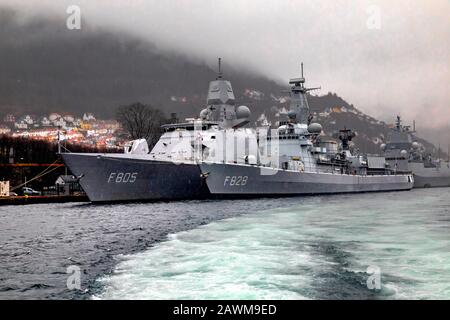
(398, 123)
(299, 109)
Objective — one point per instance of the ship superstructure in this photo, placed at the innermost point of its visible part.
(293, 160)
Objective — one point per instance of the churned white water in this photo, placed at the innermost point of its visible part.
(304, 248)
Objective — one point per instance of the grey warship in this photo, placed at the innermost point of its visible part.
(404, 153)
(300, 162)
(170, 171)
(216, 156)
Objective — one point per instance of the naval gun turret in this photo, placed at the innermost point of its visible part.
(221, 105)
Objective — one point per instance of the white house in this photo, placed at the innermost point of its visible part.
(28, 119)
(53, 116)
(59, 122)
(88, 117)
(69, 118)
(4, 130)
(45, 122)
(21, 125)
(9, 118)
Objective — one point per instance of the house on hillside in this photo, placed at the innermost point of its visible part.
(4, 130)
(59, 122)
(88, 117)
(9, 118)
(44, 122)
(21, 125)
(53, 116)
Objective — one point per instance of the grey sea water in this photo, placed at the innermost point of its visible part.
(284, 248)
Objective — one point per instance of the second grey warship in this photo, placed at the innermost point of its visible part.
(216, 156)
(299, 162)
(404, 153)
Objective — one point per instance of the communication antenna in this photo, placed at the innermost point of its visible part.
(219, 76)
(298, 83)
(302, 79)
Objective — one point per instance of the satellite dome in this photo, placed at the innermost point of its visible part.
(204, 114)
(315, 128)
(415, 145)
(292, 114)
(383, 146)
(403, 153)
(242, 112)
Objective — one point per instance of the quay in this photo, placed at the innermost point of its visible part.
(21, 200)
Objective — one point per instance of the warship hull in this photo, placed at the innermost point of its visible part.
(116, 178)
(229, 179)
(430, 182)
(430, 177)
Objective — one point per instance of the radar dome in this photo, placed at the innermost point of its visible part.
(403, 153)
(415, 145)
(242, 112)
(383, 146)
(204, 114)
(315, 128)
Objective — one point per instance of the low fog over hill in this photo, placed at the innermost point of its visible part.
(46, 68)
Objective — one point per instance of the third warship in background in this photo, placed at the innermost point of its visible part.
(215, 156)
(404, 153)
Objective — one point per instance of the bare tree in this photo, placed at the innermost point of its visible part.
(141, 121)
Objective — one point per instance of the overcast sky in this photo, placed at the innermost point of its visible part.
(401, 67)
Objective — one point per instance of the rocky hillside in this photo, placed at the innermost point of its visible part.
(334, 114)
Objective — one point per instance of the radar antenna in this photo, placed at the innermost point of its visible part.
(346, 135)
(299, 83)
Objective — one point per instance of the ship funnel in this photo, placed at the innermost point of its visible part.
(220, 91)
